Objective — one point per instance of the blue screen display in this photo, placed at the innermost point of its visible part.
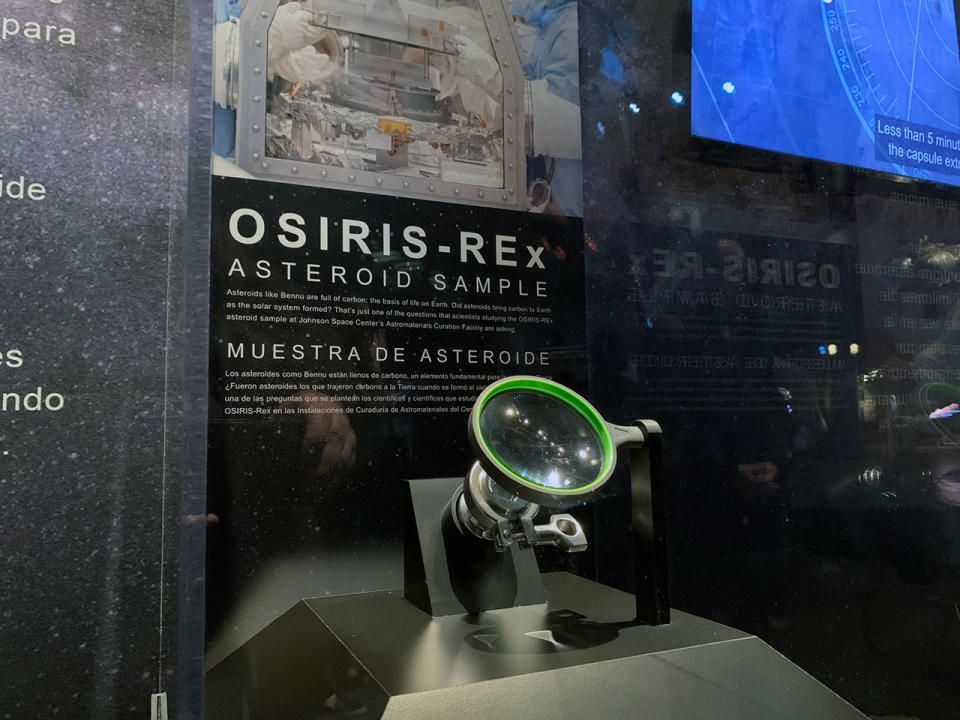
(873, 83)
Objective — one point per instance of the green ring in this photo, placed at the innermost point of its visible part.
(563, 394)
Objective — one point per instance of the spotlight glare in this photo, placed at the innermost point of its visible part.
(677, 97)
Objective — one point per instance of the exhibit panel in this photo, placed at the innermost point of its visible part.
(448, 358)
(395, 224)
(764, 271)
(104, 119)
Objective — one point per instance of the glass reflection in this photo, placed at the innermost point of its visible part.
(542, 438)
(501, 498)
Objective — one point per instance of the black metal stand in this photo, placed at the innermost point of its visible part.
(649, 526)
(447, 571)
(478, 634)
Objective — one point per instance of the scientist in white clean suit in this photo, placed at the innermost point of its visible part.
(547, 32)
(549, 46)
(301, 52)
(298, 51)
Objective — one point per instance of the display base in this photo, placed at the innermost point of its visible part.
(446, 573)
(375, 655)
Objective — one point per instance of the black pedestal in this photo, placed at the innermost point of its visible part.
(569, 659)
(448, 573)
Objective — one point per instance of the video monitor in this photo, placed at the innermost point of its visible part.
(871, 83)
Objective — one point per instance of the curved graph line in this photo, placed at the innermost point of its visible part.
(936, 32)
(712, 96)
(923, 52)
(856, 53)
(903, 74)
(913, 62)
(836, 63)
(868, 127)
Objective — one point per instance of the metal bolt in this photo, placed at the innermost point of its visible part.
(456, 191)
(432, 188)
(293, 169)
(406, 184)
(258, 43)
(256, 156)
(256, 98)
(480, 194)
(323, 173)
(256, 71)
(256, 127)
(351, 177)
(264, 164)
(379, 181)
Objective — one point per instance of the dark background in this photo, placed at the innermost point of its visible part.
(94, 294)
(848, 561)
(841, 547)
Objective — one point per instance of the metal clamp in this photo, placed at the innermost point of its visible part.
(504, 523)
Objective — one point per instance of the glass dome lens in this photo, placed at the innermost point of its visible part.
(542, 438)
(500, 498)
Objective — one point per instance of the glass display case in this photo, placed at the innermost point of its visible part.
(768, 257)
(335, 300)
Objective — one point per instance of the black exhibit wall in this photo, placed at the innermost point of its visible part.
(790, 322)
(102, 357)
